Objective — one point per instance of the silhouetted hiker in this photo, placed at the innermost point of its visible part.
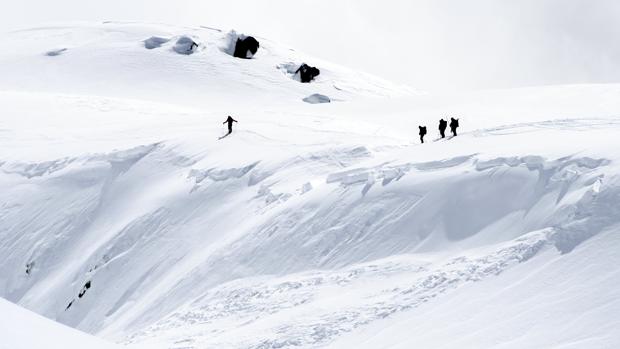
(443, 124)
(454, 123)
(422, 133)
(230, 120)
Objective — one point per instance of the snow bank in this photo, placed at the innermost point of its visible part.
(289, 69)
(228, 42)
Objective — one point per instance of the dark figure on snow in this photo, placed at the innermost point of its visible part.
(246, 47)
(454, 124)
(443, 124)
(230, 121)
(307, 73)
(422, 133)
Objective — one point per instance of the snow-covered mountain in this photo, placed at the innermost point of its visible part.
(125, 213)
(151, 62)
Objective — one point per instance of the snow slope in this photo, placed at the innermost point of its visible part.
(565, 301)
(125, 213)
(120, 60)
(23, 329)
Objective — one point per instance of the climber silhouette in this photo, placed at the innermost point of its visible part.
(422, 133)
(443, 124)
(454, 124)
(230, 121)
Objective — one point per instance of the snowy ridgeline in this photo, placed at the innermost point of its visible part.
(309, 226)
(188, 66)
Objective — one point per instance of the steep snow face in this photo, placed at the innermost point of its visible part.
(126, 213)
(23, 329)
(515, 310)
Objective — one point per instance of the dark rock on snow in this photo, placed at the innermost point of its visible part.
(307, 73)
(246, 47)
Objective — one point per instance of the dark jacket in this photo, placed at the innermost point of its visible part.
(230, 120)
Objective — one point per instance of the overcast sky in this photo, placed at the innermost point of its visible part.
(428, 44)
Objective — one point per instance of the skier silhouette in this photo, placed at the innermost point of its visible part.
(454, 124)
(443, 124)
(422, 133)
(230, 121)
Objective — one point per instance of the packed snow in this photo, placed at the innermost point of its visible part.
(126, 214)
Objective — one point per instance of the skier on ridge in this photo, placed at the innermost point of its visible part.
(454, 124)
(422, 133)
(443, 124)
(230, 121)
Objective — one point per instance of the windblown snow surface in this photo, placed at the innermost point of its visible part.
(123, 214)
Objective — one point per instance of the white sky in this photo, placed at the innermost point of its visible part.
(428, 44)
